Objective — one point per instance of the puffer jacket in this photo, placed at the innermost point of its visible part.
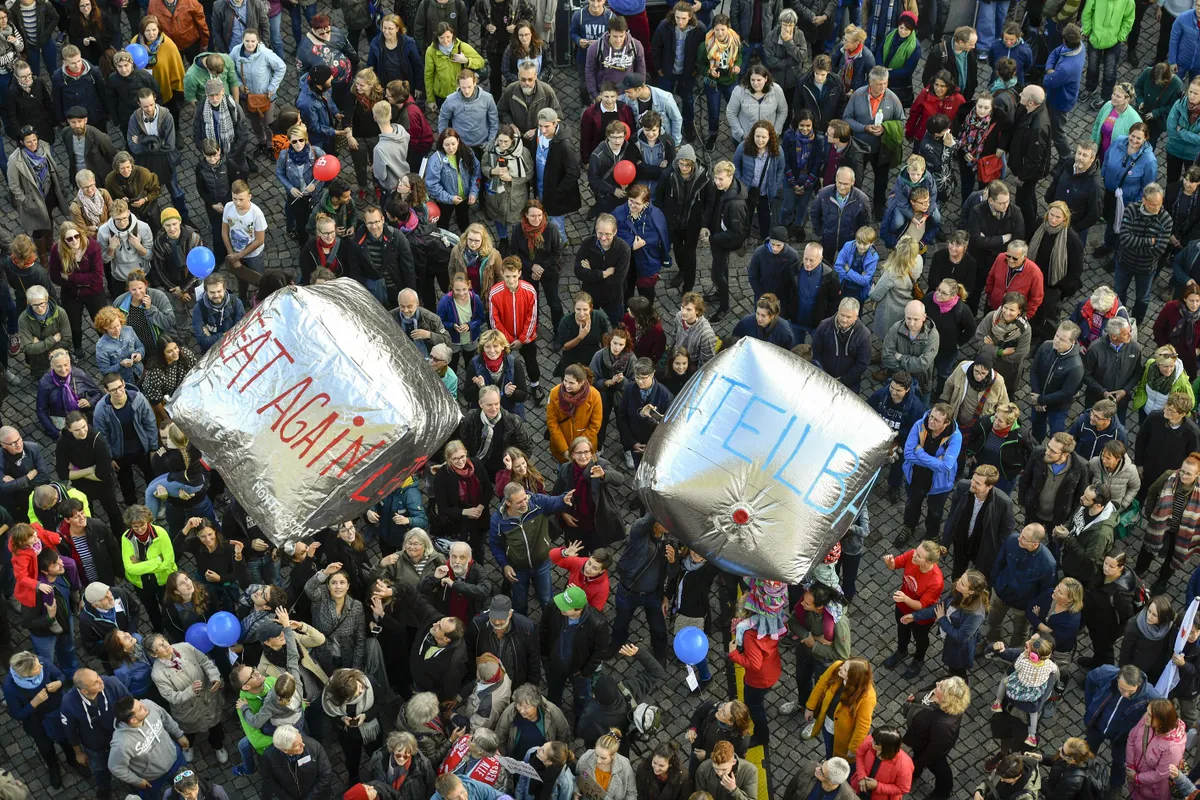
(743, 110)
(944, 466)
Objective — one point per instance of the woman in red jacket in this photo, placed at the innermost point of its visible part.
(921, 588)
(77, 267)
(941, 96)
(26, 541)
(882, 771)
(1178, 324)
(759, 657)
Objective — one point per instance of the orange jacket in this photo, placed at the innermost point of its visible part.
(851, 724)
(760, 659)
(564, 429)
(186, 26)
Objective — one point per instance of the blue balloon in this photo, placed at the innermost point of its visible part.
(201, 262)
(141, 56)
(691, 645)
(224, 629)
(197, 637)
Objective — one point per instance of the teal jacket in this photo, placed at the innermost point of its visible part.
(1183, 137)
(1121, 124)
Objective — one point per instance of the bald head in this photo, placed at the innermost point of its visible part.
(914, 316)
(89, 683)
(1032, 97)
(408, 302)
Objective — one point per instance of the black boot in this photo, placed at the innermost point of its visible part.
(1145, 557)
(914, 670)
(1164, 578)
(893, 661)
(55, 774)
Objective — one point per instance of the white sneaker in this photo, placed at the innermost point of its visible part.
(629, 465)
(790, 707)
(188, 754)
(222, 755)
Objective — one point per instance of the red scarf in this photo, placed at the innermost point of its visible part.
(468, 484)
(492, 365)
(458, 606)
(533, 235)
(323, 251)
(568, 403)
(583, 493)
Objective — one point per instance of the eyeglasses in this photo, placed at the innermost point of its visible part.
(187, 773)
(71, 238)
(299, 141)
(1014, 259)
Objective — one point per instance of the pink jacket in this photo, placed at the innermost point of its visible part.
(1149, 754)
(895, 776)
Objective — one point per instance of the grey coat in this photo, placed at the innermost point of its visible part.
(195, 713)
(506, 206)
(348, 630)
(554, 721)
(32, 211)
(743, 110)
(160, 313)
(916, 356)
(742, 14)
(622, 784)
(788, 61)
(514, 107)
(858, 115)
(1123, 485)
(892, 294)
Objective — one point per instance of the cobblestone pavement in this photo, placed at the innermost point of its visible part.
(872, 620)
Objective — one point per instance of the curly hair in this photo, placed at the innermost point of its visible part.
(751, 149)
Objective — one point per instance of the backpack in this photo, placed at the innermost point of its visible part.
(1095, 781)
(1141, 595)
(431, 248)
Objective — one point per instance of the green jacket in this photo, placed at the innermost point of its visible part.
(1121, 124)
(726, 78)
(258, 740)
(441, 74)
(72, 493)
(197, 75)
(1153, 100)
(1181, 383)
(836, 650)
(160, 558)
(1107, 22)
(893, 139)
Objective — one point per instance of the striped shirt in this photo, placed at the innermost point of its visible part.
(88, 564)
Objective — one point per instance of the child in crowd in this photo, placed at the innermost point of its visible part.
(1026, 684)
(856, 264)
(764, 610)
(282, 706)
(915, 175)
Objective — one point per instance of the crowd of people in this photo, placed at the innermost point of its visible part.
(434, 638)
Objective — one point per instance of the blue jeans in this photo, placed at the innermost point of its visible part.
(262, 568)
(848, 570)
(714, 94)
(828, 737)
(581, 689)
(685, 87)
(627, 602)
(173, 488)
(1055, 420)
(277, 34)
(795, 207)
(560, 223)
(1106, 60)
(542, 584)
(48, 52)
(58, 650)
(178, 200)
(989, 21)
(1143, 282)
(159, 784)
(800, 332)
(249, 766)
(378, 289)
(98, 761)
(310, 11)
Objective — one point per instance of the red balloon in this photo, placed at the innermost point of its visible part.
(628, 132)
(327, 168)
(434, 211)
(624, 172)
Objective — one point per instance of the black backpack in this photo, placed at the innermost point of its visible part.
(1095, 781)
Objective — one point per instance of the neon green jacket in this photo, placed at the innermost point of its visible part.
(258, 740)
(160, 558)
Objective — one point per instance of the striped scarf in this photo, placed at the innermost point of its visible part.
(1188, 540)
(722, 55)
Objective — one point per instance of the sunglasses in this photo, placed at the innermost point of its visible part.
(187, 773)
(299, 141)
(72, 238)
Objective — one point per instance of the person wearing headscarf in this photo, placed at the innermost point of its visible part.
(974, 390)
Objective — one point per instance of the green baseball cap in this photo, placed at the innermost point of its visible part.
(572, 599)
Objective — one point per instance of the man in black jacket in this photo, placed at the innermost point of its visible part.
(1052, 482)
(491, 430)
(29, 103)
(295, 767)
(558, 185)
(944, 55)
(510, 637)
(601, 264)
(1029, 151)
(841, 345)
(1110, 369)
(980, 519)
(438, 662)
(574, 638)
(98, 150)
(725, 228)
(457, 588)
(641, 582)
(386, 256)
(106, 608)
(992, 225)
(1076, 182)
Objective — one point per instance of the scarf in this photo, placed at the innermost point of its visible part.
(534, 236)
(1005, 333)
(457, 603)
(30, 683)
(66, 392)
(894, 55)
(582, 484)
(1058, 253)
(1158, 382)
(984, 388)
(975, 131)
(468, 485)
(1154, 633)
(492, 365)
(722, 55)
(40, 166)
(218, 123)
(300, 158)
(369, 730)
(946, 305)
(489, 427)
(515, 162)
(616, 364)
(569, 403)
(851, 58)
(398, 772)
(1164, 510)
(1184, 330)
(1096, 319)
(1000, 84)
(92, 207)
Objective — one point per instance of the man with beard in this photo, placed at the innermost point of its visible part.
(151, 137)
(524, 98)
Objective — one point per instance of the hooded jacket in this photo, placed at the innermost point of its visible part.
(846, 359)
(1027, 787)
(86, 90)
(1056, 377)
(146, 752)
(775, 273)
(944, 465)
(1123, 483)
(1082, 554)
(1089, 440)
(824, 102)
(198, 75)
(220, 318)
(1079, 190)
(1106, 711)
(685, 202)
(524, 542)
(729, 220)
(94, 625)
(591, 642)
(411, 68)
(37, 354)
(260, 72)
(90, 723)
(475, 118)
